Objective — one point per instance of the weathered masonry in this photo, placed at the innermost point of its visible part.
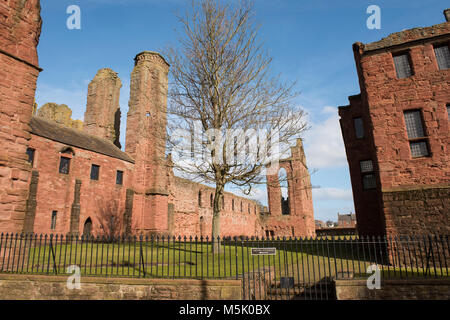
(59, 175)
(397, 133)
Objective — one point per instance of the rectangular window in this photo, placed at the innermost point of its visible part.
(419, 149)
(448, 111)
(366, 166)
(442, 53)
(53, 223)
(414, 126)
(119, 177)
(402, 65)
(368, 176)
(359, 128)
(369, 181)
(64, 165)
(95, 169)
(416, 134)
(30, 153)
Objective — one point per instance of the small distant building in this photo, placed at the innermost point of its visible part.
(320, 224)
(347, 220)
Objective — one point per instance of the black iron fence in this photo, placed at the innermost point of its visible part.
(270, 268)
(337, 231)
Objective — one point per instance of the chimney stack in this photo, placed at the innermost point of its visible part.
(447, 15)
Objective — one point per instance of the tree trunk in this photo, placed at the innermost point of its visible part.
(216, 218)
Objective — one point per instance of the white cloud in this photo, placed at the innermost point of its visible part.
(324, 146)
(332, 194)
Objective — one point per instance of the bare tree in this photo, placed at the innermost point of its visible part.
(110, 219)
(230, 118)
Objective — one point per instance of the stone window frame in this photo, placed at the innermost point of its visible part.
(67, 153)
(121, 178)
(31, 153)
(53, 220)
(448, 111)
(98, 172)
(69, 158)
(416, 140)
(406, 52)
(362, 127)
(366, 174)
(438, 45)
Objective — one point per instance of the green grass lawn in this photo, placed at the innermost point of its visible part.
(306, 261)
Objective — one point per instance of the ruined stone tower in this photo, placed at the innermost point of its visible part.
(298, 219)
(102, 116)
(20, 28)
(146, 140)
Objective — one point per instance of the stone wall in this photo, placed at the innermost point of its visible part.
(369, 217)
(26, 287)
(193, 211)
(56, 190)
(428, 90)
(418, 211)
(20, 27)
(430, 289)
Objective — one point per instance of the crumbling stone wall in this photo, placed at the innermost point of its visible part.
(143, 196)
(20, 27)
(102, 116)
(300, 220)
(59, 113)
(193, 211)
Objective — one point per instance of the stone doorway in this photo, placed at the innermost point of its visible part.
(87, 229)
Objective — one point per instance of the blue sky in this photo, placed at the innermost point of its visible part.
(310, 41)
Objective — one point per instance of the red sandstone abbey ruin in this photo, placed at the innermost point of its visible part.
(57, 175)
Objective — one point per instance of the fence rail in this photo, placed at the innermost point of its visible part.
(287, 268)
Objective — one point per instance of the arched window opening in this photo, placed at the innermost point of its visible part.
(283, 180)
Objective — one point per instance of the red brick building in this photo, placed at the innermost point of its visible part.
(397, 133)
(57, 176)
